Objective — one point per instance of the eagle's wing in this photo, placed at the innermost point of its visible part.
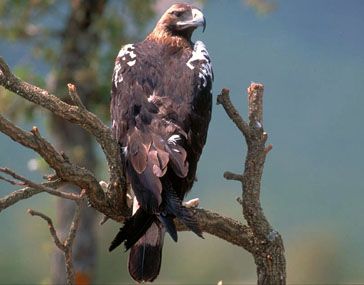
(138, 123)
(200, 112)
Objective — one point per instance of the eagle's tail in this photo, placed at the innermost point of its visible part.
(146, 255)
(143, 234)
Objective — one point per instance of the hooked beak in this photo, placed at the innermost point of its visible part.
(198, 20)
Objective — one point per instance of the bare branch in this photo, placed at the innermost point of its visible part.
(34, 141)
(52, 230)
(12, 182)
(74, 96)
(76, 220)
(255, 99)
(66, 246)
(222, 227)
(25, 193)
(66, 170)
(68, 243)
(267, 242)
(4, 69)
(233, 176)
(224, 100)
(41, 187)
(73, 114)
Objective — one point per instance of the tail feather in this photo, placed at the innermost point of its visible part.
(133, 229)
(146, 255)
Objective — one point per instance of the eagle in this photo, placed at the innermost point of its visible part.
(161, 103)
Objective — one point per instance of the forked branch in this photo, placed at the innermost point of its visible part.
(66, 245)
(268, 250)
(257, 237)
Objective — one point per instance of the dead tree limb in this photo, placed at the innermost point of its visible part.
(257, 237)
(25, 193)
(66, 245)
(77, 115)
(268, 250)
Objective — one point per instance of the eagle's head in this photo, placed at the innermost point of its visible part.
(179, 21)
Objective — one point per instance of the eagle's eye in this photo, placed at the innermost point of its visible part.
(177, 13)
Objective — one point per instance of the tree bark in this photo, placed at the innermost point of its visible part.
(267, 249)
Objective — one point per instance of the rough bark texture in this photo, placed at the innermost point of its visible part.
(258, 237)
(268, 250)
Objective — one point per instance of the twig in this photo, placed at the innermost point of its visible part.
(224, 99)
(41, 187)
(72, 91)
(52, 230)
(25, 193)
(66, 245)
(69, 242)
(76, 220)
(12, 182)
(233, 176)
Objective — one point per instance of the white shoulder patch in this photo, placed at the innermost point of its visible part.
(126, 50)
(201, 55)
(126, 53)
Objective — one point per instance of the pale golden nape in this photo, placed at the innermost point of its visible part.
(166, 32)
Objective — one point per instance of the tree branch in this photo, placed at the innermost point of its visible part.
(25, 193)
(224, 99)
(66, 245)
(74, 96)
(78, 116)
(233, 176)
(40, 187)
(52, 230)
(257, 237)
(268, 249)
(222, 227)
(65, 169)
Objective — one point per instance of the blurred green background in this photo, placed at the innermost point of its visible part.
(309, 55)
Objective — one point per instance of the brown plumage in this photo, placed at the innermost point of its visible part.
(161, 108)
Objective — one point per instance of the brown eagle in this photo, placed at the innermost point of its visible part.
(160, 109)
